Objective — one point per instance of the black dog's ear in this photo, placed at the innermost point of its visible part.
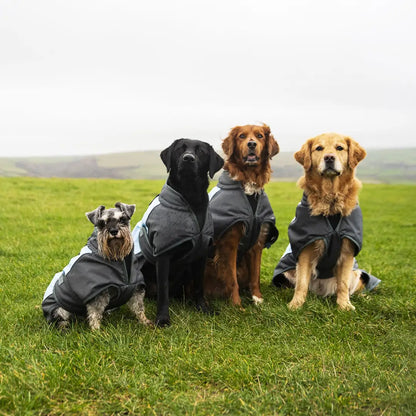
(127, 209)
(93, 216)
(166, 154)
(215, 162)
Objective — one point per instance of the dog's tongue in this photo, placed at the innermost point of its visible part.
(251, 158)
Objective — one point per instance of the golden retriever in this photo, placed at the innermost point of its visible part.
(244, 222)
(326, 233)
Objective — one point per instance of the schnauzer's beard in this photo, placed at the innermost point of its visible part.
(115, 249)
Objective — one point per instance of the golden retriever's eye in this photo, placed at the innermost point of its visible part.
(259, 135)
(339, 148)
(319, 148)
(242, 136)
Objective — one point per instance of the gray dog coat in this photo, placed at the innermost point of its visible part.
(306, 228)
(168, 223)
(230, 205)
(88, 275)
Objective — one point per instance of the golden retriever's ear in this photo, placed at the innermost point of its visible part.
(272, 146)
(229, 141)
(355, 153)
(303, 156)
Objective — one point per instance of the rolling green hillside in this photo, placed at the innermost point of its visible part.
(380, 166)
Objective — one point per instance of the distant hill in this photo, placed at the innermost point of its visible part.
(383, 166)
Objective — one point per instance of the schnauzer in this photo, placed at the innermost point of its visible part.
(104, 275)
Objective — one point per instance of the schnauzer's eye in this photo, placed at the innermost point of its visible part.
(259, 135)
(242, 136)
(339, 148)
(101, 224)
(319, 148)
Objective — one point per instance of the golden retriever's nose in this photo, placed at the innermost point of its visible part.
(329, 158)
(251, 145)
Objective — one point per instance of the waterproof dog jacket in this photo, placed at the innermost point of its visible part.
(168, 223)
(306, 228)
(230, 205)
(89, 274)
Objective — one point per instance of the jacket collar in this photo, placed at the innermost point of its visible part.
(226, 182)
(173, 199)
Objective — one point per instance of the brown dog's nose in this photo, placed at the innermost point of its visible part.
(329, 158)
(188, 157)
(251, 144)
(114, 231)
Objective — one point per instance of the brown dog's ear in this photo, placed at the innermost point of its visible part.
(93, 216)
(229, 142)
(272, 146)
(355, 153)
(303, 156)
(165, 155)
(216, 162)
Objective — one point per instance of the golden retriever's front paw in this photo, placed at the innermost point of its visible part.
(295, 304)
(345, 306)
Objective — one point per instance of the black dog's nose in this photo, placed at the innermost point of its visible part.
(188, 157)
(251, 144)
(329, 158)
(114, 231)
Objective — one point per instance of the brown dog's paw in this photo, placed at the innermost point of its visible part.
(257, 301)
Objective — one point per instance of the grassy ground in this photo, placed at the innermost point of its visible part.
(265, 360)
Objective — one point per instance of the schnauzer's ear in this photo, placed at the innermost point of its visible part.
(127, 209)
(215, 162)
(165, 155)
(93, 216)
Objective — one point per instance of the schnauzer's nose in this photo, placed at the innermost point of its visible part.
(251, 145)
(188, 157)
(329, 158)
(114, 231)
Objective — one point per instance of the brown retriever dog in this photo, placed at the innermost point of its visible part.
(244, 222)
(326, 233)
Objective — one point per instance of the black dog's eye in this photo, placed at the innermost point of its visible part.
(259, 135)
(100, 223)
(339, 148)
(242, 136)
(319, 148)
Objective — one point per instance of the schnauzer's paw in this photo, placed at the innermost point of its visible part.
(295, 304)
(62, 325)
(345, 306)
(257, 301)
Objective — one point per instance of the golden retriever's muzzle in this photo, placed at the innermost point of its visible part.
(331, 166)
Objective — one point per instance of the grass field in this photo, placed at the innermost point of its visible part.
(264, 361)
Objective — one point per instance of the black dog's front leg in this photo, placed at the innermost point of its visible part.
(197, 270)
(162, 278)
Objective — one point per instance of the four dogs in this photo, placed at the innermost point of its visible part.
(192, 245)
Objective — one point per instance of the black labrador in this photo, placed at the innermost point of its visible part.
(175, 234)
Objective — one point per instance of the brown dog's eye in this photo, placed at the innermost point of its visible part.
(242, 136)
(319, 148)
(259, 135)
(339, 148)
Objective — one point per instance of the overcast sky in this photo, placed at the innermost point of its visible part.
(83, 76)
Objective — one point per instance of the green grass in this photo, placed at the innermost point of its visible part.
(265, 360)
